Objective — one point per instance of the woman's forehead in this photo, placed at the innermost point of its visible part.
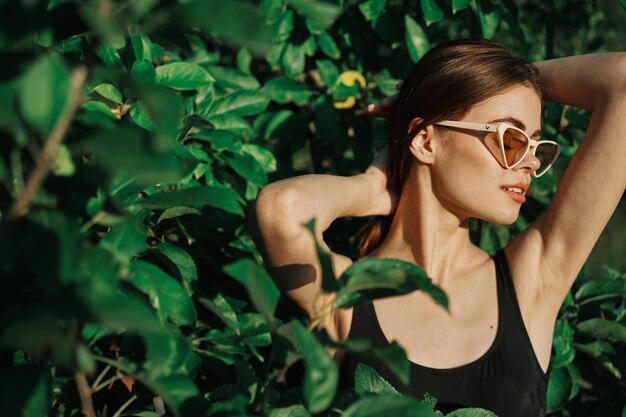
(519, 106)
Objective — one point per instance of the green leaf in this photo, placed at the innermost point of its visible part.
(62, 164)
(294, 410)
(293, 59)
(99, 107)
(328, 45)
(244, 59)
(559, 388)
(183, 262)
(264, 156)
(388, 405)
(183, 76)
(286, 90)
(143, 72)
(109, 92)
(273, 10)
(371, 9)
(321, 376)
(471, 412)
(415, 38)
(240, 103)
(321, 13)
(167, 295)
(489, 17)
(328, 71)
(177, 211)
(222, 309)
(281, 30)
(371, 278)
(230, 122)
(141, 117)
(247, 167)
(368, 381)
(605, 288)
(231, 78)
(142, 47)
(261, 289)
(432, 12)
(26, 391)
(603, 329)
(458, 5)
(196, 197)
(221, 140)
(329, 282)
(44, 93)
(128, 152)
(563, 344)
(125, 240)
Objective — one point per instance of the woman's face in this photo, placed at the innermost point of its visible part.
(467, 178)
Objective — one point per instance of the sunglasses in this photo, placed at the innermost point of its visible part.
(509, 145)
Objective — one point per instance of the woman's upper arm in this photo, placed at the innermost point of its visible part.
(290, 254)
(588, 194)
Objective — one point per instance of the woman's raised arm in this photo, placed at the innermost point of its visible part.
(595, 178)
(288, 247)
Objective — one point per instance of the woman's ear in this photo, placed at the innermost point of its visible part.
(421, 145)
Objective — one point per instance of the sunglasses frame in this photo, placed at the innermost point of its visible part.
(500, 128)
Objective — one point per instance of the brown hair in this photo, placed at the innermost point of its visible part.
(444, 84)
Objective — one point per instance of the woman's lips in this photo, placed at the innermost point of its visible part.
(520, 198)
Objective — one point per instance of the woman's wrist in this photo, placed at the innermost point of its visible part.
(380, 201)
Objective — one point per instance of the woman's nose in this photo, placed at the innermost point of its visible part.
(530, 161)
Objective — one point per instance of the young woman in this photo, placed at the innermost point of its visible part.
(464, 142)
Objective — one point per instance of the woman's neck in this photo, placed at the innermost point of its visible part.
(425, 232)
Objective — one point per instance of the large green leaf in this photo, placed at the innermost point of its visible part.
(240, 103)
(273, 10)
(329, 281)
(489, 17)
(602, 328)
(125, 151)
(26, 390)
(293, 59)
(287, 90)
(261, 289)
(231, 78)
(432, 12)
(328, 45)
(371, 278)
(603, 288)
(372, 9)
(388, 404)
(458, 5)
(125, 240)
(109, 92)
(183, 76)
(563, 344)
(471, 412)
(416, 40)
(322, 13)
(167, 295)
(321, 376)
(218, 197)
(183, 262)
(44, 93)
(368, 381)
(248, 167)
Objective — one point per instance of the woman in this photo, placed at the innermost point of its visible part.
(492, 348)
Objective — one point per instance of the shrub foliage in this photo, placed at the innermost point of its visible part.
(137, 134)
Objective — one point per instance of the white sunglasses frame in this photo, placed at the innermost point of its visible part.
(500, 128)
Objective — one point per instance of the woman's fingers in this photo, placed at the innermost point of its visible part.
(385, 105)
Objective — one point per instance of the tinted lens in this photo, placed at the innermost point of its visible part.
(515, 143)
(546, 153)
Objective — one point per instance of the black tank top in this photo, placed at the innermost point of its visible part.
(507, 379)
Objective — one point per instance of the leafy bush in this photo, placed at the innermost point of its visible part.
(135, 137)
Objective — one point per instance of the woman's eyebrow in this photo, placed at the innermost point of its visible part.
(517, 123)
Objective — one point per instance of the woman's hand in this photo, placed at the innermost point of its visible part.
(383, 108)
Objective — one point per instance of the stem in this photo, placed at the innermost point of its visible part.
(84, 391)
(97, 388)
(99, 378)
(24, 200)
(124, 406)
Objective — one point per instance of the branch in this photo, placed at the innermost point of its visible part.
(20, 207)
(84, 391)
